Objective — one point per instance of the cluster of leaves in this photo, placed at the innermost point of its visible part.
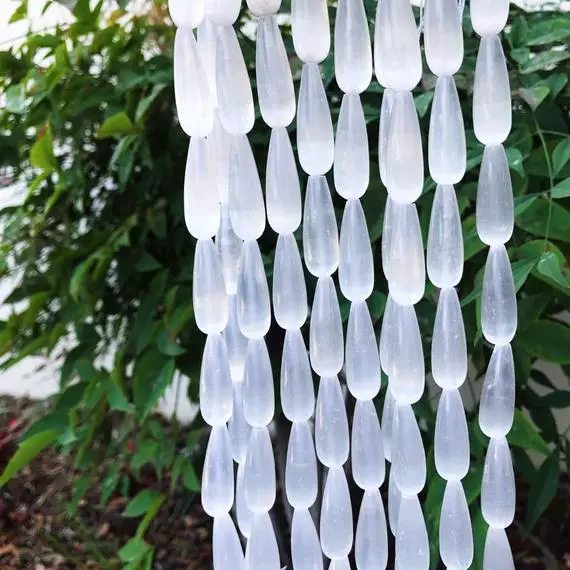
(106, 262)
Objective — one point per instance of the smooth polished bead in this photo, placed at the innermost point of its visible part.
(340, 564)
(220, 143)
(226, 545)
(412, 544)
(186, 14)
(229, 247)
(301, 481)
(388, 423)
(258, 391)
(238, 427)
(305, 546)
(386, 344)
(394, 500)
(218, 473)
(263, 7)
(262, 549)
(384, 132)
(368, 464)
(207, 38)
(222, 12)
(243, 514)
(236, 343)
(489, 17)
(408, 455)
(311, 32)
(260, 472)
(497, 552)
(371, 540)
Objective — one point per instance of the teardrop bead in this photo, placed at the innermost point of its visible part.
(495, 203)
(331, 424)
(336, 516)
(258, 391)
(489, 17)
(226, 545)
(186, 14)
(216, 392)
(492, 112)
(223, 12)
(229, 249)
(262, 549)
(497, 408)
(218, 473)
(451, 437)
(368, 464)
(498, 494)
(340, 564)
(315, 138)
(207, 38)
(254, 308)
(263, 7)
(274, 80)
(352, 155)
(445, 240)
(311, 32)
(282, 189)
(443, 36)
(371, 540)
(220, 143)
(394, 501)
(386, 344)
(497, 552)
(238, 427)
(384, 131)
(305, 546)
(412, 544)
(388, 423)
(209, 296)
(326, 336)
(499, 301)
(290, 303)
(260, 472)
(320, 233)
(236, 343)
(301, 480)
(243, 514)
(447, 152)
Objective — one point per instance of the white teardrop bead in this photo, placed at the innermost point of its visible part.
(397, 55)
(216, 393)
(235, 99)
(449, 347)
(497, 407)
(336, 516)
(244, 188)
(282, 190)
(207, 37)
(497, 551)
(412, 544)
(331, 424)
(352, 155)
(447, 152)
(260, 472)
(495, 204)
(254, 308)
(289, 291)
(201, 199)
(301, 481)
(209, 295)
(263, 7)
(229, 249)
(326, 337)
(352, 49)
(194, 103)
(384, 131)
(340, 564)
(258, 392)
(238, 427)
(297, 390)
(451, 437)
(186, 14)
(226, 545)
(371, 540)
(489, 17)
(311, 32)
(499, 301)
(220, 143)
(445, 240)
(223, 12)
(455, 531)
(498, 494)
(305, 546)
(315, 138)
(320, 233)
(362, 362)
(408, 455)
(368, 463)
(262, 549)
(218, 473)
(274, 81)
(388, 423)
(443, 36)
(394, 501)
(243, 514)
(236, 343)
(386, 345)
(492, 112)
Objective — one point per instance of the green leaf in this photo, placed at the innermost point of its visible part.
(168, 345)
(536, 220)
(535, 95)
(191, 481)
(41, 153)
(480, 528)
(551, 268)
(16, 99)
(548, 31)
(562, 189)
(134, 550)
(80, 487)
(561, 155)
(515, 160)
(110, 482)
(140, 504)
(547, 340)
(543, 489)
(117, 125)
(557, 399)
(147, 263)
(20, 13)
(524, 435)
(423, 102)
(145, 103)
(151, 512)
(543, 61)
(377, 304)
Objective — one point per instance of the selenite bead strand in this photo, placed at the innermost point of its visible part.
(226, 545)
(301, 481)
(220, 143)
(229, 247)
(262, 549)
(497, 552)
(412, 544)
(186, 14)
(311, 32)
(305, 545)
(207, 39)
(368, 463)
(236, 343)
(243, 513)
(218, 473)
(371, 539)
(387, 423)
(222, 12)
(263, 7)
(489, 17)
(387, 231)
(386, 343)
(238, 427)
(394, 500)
(260, 472)
(384, 133)
(258, 392)
(340, 564)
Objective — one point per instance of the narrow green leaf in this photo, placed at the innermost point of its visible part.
(134, 550)
(561, 155)
(557, 399)
(41, 153)
(117, 125)
(167, 344)
(547, 340)
(542, 218)
(550, 267)
(562, 189)
(543, 489)
(140, 504)
(151, 512)
(16, 99)
(191, 481)
(524, 435)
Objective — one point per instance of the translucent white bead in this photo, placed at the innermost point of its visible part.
(388, 423)
(320, 233)
(447, 152)
(368, 464)
(201, 199)
(443, 36)
(394, 500)
(220, 142)
(274, 80)
(260, 472)
(258, 392)
(331, 424)
(499, 302)
(229, 249)
(207, 40)
(495, 205)
(326, 337)
(218, 473)
(254, 308)
(305, 546)
(492, 113)
(315, 138)
(311, 32)
(412, 544)
(386, 339)
(209, 296)
(362, 362)
(226, 545)
(297, 391)
(282, 190)
(262, 549)
(351, 154)
(289, 291)
(384, 132)
(243, 514)
(352, 50)
(263, 7)
(489, 17)
(216, 393)
(408, 456)
(449, 347)
(186, 14)
(497, 406)
(497, 552)
(301, 481)
(445, 240)
(238, 427)
(235, 99)
(455, 532)
(336, 516)
(371, 540)
(236, 343)
(451, 437)
(340, 564)
(223, 12)
(498, 495)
